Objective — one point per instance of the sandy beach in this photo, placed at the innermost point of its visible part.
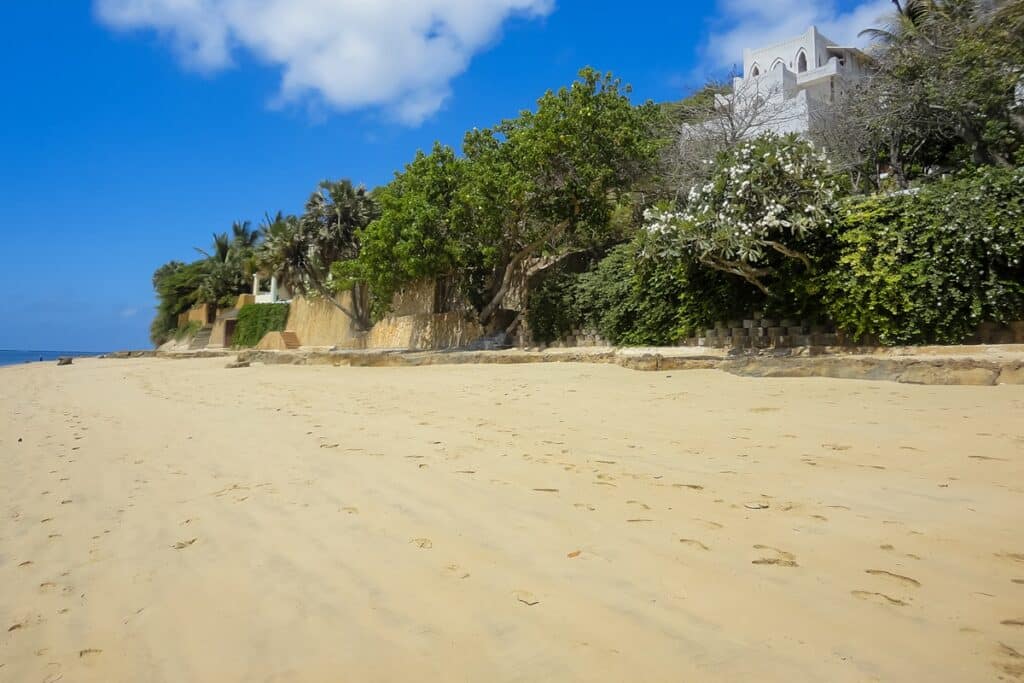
(179, 521)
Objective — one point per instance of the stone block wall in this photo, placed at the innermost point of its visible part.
(758, 332)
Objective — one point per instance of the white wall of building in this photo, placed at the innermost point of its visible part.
(795, 78)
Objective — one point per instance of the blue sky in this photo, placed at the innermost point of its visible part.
(130, 130)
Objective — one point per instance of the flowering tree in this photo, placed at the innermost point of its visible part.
(767, 205)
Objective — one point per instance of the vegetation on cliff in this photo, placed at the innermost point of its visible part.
(650, 222)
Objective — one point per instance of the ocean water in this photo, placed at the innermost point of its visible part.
(17, 357)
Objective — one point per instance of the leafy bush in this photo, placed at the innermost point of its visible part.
(255, 320)
(551, 308)
(187, 330)
(630, 305)
(928, 267)
(766, 216)
(631, 300)
(176, 285)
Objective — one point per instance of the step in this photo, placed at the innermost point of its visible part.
(290, 339)
(201, 339)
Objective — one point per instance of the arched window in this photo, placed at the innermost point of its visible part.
(801, 62)
(778, 64)
(755, 71)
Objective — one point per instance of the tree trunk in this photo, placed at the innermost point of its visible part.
(506, 282)
(494, 304)
(896, 164)
(353, 315)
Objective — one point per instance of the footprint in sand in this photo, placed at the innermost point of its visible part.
(1012, 622)
(881, 598)
(424, 543)
(525, 597)
(897, 577)
(456, 570)
(26, 563)
(352, 510)
(1015, 666)
(695, 487)
(89, 652)
(180, 545)
(709, 524)
(695, 543)
(781, 559)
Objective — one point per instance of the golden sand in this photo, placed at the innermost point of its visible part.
(177, 521)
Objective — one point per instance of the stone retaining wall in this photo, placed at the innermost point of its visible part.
(966, 370)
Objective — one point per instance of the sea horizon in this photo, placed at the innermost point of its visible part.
(20, 356)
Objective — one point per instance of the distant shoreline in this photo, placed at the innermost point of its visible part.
(21, 356)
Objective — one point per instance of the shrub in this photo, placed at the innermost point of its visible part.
(928, 267)
(765, 216)
(188, 330)
(631, 300)
(255, 320)
(551, 307)
(629, 305)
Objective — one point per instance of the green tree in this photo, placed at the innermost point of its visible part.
(421, 231)
(302, 249)
(177, 288)
(766, 215)
(230, 263)
(943, 92)
(527, 192)
(548, 182)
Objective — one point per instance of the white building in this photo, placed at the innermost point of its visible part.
(785, 85)
(278, 293)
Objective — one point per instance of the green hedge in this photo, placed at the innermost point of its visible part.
(255, 320)
(635, 301)
(188, 330)
(928, 267)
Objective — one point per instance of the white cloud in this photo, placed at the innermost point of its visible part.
(756, 23)
(400, 55)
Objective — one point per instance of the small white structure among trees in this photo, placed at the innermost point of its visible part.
(784, 86)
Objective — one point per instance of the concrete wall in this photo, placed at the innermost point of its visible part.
(423, 331)
(317, 322)
(416, 299)
(200, 313)
(412, 325)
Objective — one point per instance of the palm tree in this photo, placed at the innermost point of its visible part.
(221, 250)
(918, 20)
(301, 250)
(243, 235)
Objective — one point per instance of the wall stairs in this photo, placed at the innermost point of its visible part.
(201, 339)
